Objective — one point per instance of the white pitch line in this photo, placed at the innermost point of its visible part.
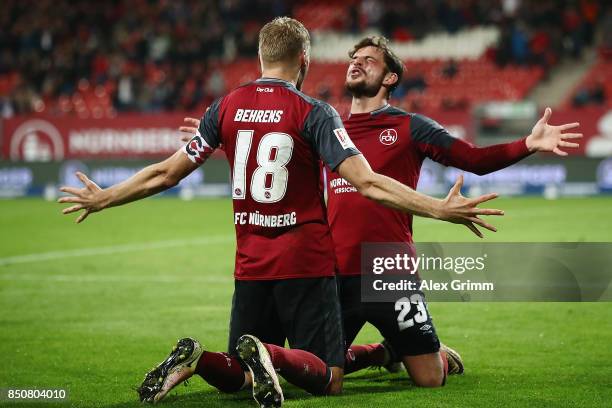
(114, 279)
(114, 249)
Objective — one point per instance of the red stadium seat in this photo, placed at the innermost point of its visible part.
(476, 80)
(599, 74)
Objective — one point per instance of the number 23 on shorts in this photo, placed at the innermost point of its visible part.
(403, 305)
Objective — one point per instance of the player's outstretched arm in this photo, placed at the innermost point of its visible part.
(549, 138)
(436, 143)
(147, 182)
(454, 208)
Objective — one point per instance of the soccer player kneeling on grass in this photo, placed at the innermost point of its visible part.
(285, 288)
(396, 143)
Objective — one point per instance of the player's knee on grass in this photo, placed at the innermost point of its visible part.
(426, 370)
(337, 380)
(428, 380)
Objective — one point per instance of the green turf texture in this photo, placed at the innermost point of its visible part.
(94, 324)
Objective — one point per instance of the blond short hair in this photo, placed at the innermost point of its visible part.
(283, 39)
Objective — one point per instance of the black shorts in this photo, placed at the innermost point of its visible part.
(306, 312)
(406, 325)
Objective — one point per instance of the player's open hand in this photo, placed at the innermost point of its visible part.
(549, 138)
(191, 128)
(461, 210)
(88, 198)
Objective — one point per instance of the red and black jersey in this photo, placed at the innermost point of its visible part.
(274, 136)
(395, 143)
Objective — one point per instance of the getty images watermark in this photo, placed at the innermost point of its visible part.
(487, 271)
(408, 264)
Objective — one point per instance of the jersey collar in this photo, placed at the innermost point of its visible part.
(265, 80)
(380, 110)
(369, 114)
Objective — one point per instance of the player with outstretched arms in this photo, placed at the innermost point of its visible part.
(285, 288)
(396, 143)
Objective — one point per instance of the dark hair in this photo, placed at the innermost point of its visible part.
(392, 61)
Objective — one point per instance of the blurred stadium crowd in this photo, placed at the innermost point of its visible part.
(99, 58)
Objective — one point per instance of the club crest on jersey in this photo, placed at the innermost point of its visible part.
(388, 137)
(343, 138)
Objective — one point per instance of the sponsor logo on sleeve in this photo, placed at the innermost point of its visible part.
(343, 138)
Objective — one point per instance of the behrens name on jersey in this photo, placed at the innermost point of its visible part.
(258, 115)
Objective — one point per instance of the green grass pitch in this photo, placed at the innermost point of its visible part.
(92, 307)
